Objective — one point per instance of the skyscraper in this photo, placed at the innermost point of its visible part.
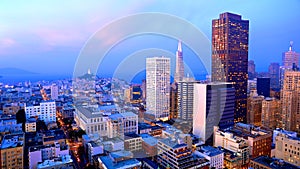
(179, 72)
(185, 98)
(263, 86)
(230, 57)
(213, 105)
(290, 101)
(158, 87)
(274, 75)
(251, 69)
(289, 59)
(270, 113)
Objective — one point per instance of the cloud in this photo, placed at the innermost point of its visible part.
(7, 43)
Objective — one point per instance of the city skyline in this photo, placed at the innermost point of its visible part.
(58, 41)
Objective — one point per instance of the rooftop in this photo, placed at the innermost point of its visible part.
(129, 163)
(65, 159)
(12, 141)
(273, 163)
(210, 151)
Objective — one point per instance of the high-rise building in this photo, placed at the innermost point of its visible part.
(289, 59)
(179, 72)
(290, 101)
(251, 69)
(270, 113)
(274, 75)
(254, 110)
(230, 57)
(213, 105)
(263, 86)
(185, 98)
(158, 87)
(173, 101)
(54, 92)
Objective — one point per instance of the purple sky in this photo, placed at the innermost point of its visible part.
(46, 37)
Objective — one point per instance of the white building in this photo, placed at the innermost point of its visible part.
(214, 155)
(213, 106)
(42, 153)
(54, 92)
(91, 120)
(45, 111)
(185, 98)
(158, 87)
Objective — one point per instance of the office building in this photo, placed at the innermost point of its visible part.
(230, 57)
(251, 69)
(274, 75)
(270, 113)
(233, 143)
(178, 156)
(290, 101)
(158, 87)
(287, 148)
(213, 105)
(263, 86)
(45, 110)
(254, 110)
(91, 120)
(289, 60)
(185, 99)
(214, 155)
(122, 123)
(179, 70)
(173, 101)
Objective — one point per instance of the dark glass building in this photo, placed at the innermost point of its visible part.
(230, 57)
(263, 86)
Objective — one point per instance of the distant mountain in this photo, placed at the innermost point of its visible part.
(14, 71)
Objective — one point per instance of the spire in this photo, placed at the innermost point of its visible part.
(291, 46)
(179, 46)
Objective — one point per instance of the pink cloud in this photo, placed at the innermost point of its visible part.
(7, 42)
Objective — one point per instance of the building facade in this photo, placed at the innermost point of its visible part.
(158, 87)
(213, 105)
(45, 111)
(230, 57)
(270, 113)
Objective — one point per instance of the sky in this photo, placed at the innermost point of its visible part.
(47, 37)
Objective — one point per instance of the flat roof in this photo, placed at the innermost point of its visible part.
(273, 163)
(130, 163)
(12, 141)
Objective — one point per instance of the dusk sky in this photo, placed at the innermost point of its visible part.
(46, 37)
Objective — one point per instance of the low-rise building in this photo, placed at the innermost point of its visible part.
(12, 149)
(41, 153)
(119, 160)
(214, 155)
(288, 148)
(64, 162)
(132, 142)
(30, 125)
(265, 162)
